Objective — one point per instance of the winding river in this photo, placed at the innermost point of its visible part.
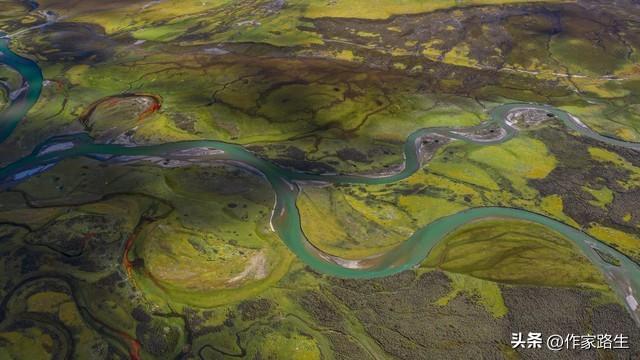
(622, 273)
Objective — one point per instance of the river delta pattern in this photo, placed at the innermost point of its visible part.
(620, 270)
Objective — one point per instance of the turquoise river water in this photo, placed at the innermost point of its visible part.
(624, 276)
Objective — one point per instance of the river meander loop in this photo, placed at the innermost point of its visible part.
(623, 274)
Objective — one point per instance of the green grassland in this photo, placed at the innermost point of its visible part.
(499, 250)
(244, 21)
(280, 97)
(195, 235)
(354, 220)
(182, 256)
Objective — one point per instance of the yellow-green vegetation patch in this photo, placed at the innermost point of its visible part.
(382, 213)
(624, 242)
(488, 293)
(217, 246)
(515, 252)
(602, 88)
(602, 196)
(399, 66)
(118, 16)
(295, 346)
(522, 156)
(199, 261)
(607, 156)
(47, 301)
(351, 226)
(618, 120)
(458, 177)
(277, 30)
(517, 160)
(347, 55)
(409, 112)
(554, 206)
(465, 172)
(382, 9)
(426, 209)
(459, 55)
(30, 343)
(603, 155)
(163, 32)
(431, 49)
(367, 34)
(423, 180)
